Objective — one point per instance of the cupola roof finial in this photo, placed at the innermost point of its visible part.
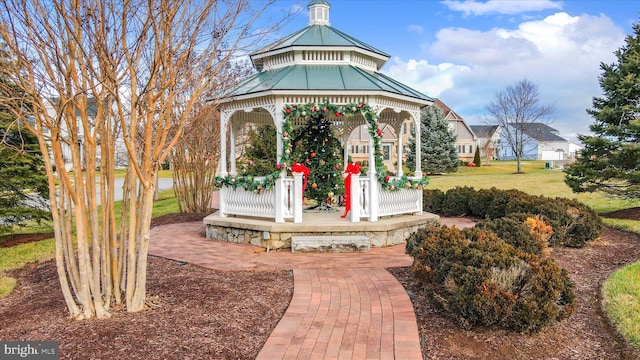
(319, 12)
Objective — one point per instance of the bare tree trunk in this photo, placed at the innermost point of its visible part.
(93, 73)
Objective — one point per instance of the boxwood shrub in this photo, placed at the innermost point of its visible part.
(482, 280)
(574, 224)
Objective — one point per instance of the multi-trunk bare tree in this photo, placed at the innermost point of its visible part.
(97, 71)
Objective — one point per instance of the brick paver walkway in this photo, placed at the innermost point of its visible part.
(344, 306)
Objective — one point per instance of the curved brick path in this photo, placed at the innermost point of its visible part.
(344, 306)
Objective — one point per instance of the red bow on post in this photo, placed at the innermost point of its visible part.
(300, 168)
(352, 168)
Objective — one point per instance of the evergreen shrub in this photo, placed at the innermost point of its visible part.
(456, 201)
(432, 200)
(482, 280)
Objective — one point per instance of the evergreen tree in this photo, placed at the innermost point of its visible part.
(438, 152)
(611, 158)
(261, 151)
(318, 147)
(24, 187)
(476, 158)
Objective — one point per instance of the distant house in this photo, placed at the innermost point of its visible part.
(359, 145)
(466, 140)
(542, 142)
(488, 140)
(71, 140)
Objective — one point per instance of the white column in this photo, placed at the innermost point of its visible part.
(345, 146)
(418, 172)
(297, 197)
(373, 189)
(278, 119)
(354, 199)
(399, 172)
(232, 149)
(280, 190)
(224, 121)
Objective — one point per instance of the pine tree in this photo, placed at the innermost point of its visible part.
(24, 187)
(611, 158)
(476, 158)
(261, 151)
(438, 152)
(318, 147)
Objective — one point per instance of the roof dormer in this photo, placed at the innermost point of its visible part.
(319, 12)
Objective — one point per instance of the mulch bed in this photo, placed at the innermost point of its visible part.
(211, 314)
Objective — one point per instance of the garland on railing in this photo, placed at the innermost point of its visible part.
(310, 110)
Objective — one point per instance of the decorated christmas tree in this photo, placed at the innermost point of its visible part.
(318, 148)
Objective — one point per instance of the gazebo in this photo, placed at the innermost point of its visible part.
(316, 65)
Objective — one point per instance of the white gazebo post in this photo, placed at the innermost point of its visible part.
(418, 172)
(232, 149)
(373, 182)
(399, 173)
(354, 198)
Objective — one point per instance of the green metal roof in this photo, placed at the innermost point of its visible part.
(318, 2)
(323, 77)
(319, 35)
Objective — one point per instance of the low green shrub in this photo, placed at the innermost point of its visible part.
(574, 224)
(432, 200)
(456, 201)
(482, 280)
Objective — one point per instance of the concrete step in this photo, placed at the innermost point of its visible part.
(353, 243)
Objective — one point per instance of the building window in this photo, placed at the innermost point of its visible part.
(386, 149)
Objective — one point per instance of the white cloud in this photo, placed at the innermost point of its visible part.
(508, 7)
(560, 53)
(415, 29)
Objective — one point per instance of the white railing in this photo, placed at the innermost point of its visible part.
(401, 201)
(283, 201)
(370, 201)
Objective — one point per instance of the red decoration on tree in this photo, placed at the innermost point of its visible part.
(338, 113)
(313, 154)
(379, 132)
(278, 166)
(386, 178)
(352, 168)
(288, 111)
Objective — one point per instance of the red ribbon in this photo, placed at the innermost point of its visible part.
(300, 168)
(352, 168)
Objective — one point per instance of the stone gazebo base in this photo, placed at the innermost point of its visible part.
(265, 233)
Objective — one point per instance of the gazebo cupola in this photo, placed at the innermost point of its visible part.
(314, 65)
(319, 12)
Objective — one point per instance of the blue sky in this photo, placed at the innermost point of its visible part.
(464, 51)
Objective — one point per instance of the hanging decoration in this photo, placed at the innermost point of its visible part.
(300, 168)
(312, 110)
(352, 168)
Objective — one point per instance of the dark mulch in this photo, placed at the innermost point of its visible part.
(206, 314)
(198, 314)
(587, 334)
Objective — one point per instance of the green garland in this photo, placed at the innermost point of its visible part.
(311, 110)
